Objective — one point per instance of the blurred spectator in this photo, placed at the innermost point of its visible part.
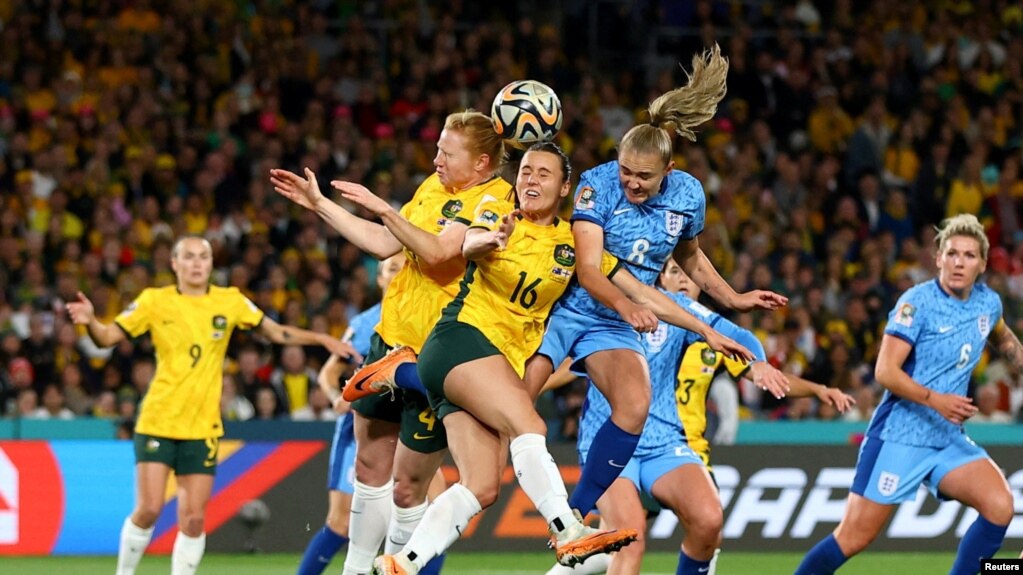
(234, 407)
(292, 381)
(53, 404)
(987, 406)
(318, 408)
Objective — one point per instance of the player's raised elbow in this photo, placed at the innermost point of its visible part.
(885, 374)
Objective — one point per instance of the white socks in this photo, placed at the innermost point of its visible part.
(442, 524)
(134, 541)
(540, 479)
(403, 523)
(371, 510)
(596, 564)
(187, 554)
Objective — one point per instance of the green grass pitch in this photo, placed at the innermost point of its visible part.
(734, 563)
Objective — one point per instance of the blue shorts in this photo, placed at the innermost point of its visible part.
(890, 473)
(570, 334)
(341, 473)
(643, 471)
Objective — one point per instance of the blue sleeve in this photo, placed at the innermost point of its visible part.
(596, 197)
(904, 321)
(743, 337)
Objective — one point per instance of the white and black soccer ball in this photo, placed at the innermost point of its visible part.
(526, 112)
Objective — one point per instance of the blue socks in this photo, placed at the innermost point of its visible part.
(610, 451)
(322, 548)
(406, 377)
(823, 559)
(434, 566)
(981, 541)
(689, 566)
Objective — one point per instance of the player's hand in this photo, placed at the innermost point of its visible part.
(360, 195)
(955, 408)
(726, 345)
(769, 379)
(507, 225)
(81, 311)
(341, 406)
(842, 402)
(759, 299)
(303, 191)
(640, 318)
(341, 348)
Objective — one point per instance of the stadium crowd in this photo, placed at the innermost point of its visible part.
(848, 132)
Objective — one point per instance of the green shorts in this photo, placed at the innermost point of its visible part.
(450, 344)
(421, 431)
(184, 456)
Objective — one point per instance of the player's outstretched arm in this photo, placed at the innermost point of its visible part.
(668, 311)
(431, 249)
(889, 373)
(290, 335)
(694, 262)
(799, 387)
(370, 237)
(1006, 342)
(83, 313)
(329, 379)
(589, 248)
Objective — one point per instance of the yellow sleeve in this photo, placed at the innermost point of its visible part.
(609, 264)
(487, 214)
(247, 313)
(137, 317)
(736, 368)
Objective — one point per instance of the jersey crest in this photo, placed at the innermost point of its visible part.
(708, 356)
(674, 222)
(564, 254)
(984, 325)
(451, 208)
(219, 326)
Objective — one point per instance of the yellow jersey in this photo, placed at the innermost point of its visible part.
(419, 292)
(190, 334)
(699, 366)
(509, 293)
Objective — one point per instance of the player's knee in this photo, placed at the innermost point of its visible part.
(369, 471)
(192, 524)
(338, 523)
(145, 516)
(631, 416)
(853, 542)
(409, 491)
(485, 491)
(998, 507)
(707, 526)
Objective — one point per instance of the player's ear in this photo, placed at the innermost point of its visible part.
(669, 167)
(566, 189)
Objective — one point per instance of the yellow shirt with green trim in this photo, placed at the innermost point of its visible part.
(190, 334)
(508, 294)
(419, 292)
(699, 366)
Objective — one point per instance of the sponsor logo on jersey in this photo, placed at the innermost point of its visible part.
(586, 199)
(451, 208)
(564, 254)
(673, 222)
(905, 315)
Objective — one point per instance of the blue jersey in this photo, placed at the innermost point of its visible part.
(642, 236)
(360, 329)
(948, 336)
(664, 348)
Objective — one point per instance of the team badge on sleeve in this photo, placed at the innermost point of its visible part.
(564, 254)
(673, 222)
(487, 217)
(905, 315)
(586, 199)
(984, 325)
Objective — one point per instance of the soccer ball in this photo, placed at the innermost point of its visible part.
(526, 112)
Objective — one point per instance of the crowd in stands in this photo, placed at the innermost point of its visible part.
(850, 129)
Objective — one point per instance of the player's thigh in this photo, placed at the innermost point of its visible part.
(151, 485)
(478, 455)
(623, 378)
(194, 492)
(689, 491)
(621, 508)
(981, 485)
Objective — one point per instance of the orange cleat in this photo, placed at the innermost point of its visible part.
(588, 542)
(378, 376)
(393, 565)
